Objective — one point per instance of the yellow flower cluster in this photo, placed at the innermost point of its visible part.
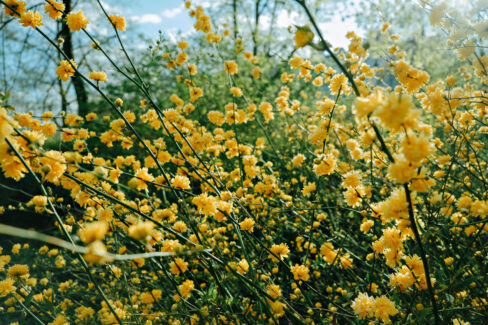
(382, 308)
(319, 196)
(76, 21)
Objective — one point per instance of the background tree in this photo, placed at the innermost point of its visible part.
(27, 65)
(81, 93)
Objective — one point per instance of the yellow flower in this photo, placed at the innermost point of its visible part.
(117, 21)
(182, 45)
(403, 279)
(363, 106)
(247, 225)
(415, 264)
(352, 179)
(179, 226)
(98, 76)
(318, 81)
(17, 5)
(256, 72)
(7, 286)
(39, 201)
(207, 205)
(279, 252)
(338, 82)
(363, 305)
(30, 18)
(186, 288)
(273, 290)
(216, 117)
(192, 69)
(181, 58)
(402, 171)
(119, 102)
(223, 209)
(397, 111)
(4, 259)
(394, 207)
(60, 262)
(93, 231)
(409, 77)
(65, 70)
(16, 249)
(53, 165)
(437, 12)
(298, 160)
(178, 266)
(328, 252)
(18, 270)
(242, 266)
(325, 166)
(54, 9)
(79, 145)
(267, 110)
(11, 164)
(366, 226)
(142, 177)
(296, 62)
(354, 196)
(231, 67)
(466, 51)
(303, 36)
(76, 21)
(237, 92)
(309, 188)
(96, 252)
(60, 320)
(195, 93)
(392, 239)
(449, 260)
(300, 272)
(416, 148)
(180, 182)
(278, 308)
(141, 230)
(6, 125)
(384, 308)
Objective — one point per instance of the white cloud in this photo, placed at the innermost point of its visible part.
(286, 18)
(147, 19)
(265, 22)
(283, 19)
(106, 6)
(336, 30)
(171, 13)
(206, 4)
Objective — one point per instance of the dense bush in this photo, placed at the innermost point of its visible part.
(215, 186)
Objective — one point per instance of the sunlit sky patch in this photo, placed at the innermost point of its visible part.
(170, 17)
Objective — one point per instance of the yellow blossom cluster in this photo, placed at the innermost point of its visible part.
(315, 191)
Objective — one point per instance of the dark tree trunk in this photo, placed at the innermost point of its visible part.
(81, 94)
(255, 32)
(62, 93)
(271, 28)
(234, 16)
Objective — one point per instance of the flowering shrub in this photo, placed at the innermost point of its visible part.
(335, 198)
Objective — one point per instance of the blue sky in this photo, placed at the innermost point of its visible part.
(149, 16)
(146, 17)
